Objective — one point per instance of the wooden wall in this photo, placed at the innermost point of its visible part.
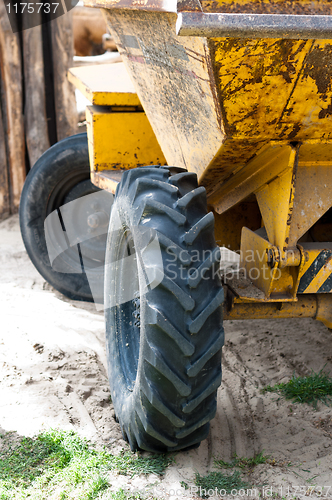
(37, 103)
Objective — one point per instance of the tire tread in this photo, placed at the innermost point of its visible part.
(180, 358)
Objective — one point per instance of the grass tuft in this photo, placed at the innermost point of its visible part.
(242, 462)
(219, 481)
(63, 464)
(124, 495)
(131, 464)
(311, 389)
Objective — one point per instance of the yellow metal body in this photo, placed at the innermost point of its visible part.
(253, 119)
(105, 84)
(121, 138)
(295, 197)
(119, 134)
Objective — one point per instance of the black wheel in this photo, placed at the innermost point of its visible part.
(163, 309)
(72, 239)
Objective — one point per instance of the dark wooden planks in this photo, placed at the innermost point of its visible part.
(34, 88)
(64, 92)
(12, 107)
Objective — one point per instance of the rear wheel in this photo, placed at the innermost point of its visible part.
(163, 310)
(60, 176)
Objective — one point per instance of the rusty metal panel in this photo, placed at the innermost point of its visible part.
(175, 84)
(145, 5)
(268, 6)
(276, 89)
(254, 26)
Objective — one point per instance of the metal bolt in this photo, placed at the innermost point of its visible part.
(97, 219)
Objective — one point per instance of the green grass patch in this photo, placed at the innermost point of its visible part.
(311, 389)
(131, 464)
(222, 482)
(242, 462)
(63, 464)
(124, 495)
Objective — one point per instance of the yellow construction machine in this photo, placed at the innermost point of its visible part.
(222, 137)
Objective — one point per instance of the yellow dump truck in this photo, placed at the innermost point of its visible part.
(222, 138)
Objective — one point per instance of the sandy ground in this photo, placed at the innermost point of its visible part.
(52, 374)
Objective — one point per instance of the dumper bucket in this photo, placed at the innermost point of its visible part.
(228, 83)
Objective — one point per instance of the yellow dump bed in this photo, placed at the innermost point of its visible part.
(215, 101)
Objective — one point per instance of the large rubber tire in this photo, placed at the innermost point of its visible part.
(164, 346)
(61, 175)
